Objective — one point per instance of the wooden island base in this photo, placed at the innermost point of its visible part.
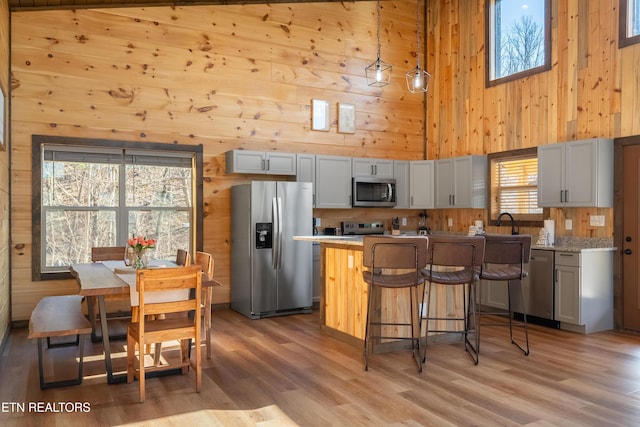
(343, 300)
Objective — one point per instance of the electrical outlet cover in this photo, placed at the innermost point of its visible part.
(596, 220)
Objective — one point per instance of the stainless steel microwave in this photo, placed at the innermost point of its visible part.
(373, 192)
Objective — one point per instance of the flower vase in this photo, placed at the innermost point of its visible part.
(140, 259)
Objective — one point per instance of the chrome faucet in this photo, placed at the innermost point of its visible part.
(513, 222)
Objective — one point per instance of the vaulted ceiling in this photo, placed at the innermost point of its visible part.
(22, 5)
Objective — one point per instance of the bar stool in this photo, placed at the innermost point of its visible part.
(394, 262)
(504, 257)
(455, 261)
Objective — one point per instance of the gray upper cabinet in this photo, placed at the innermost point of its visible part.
(260, 162)
(306, 171)
(379, 168)
(401, 175)
(421, 184)
(576, 174)
(333, 182)
(460, 182)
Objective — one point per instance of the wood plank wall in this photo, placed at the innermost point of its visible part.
(5, 238)
(243, 77)
(226, 77)
(591, 91)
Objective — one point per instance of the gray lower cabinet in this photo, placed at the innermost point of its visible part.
(584, 290)
(578, 293)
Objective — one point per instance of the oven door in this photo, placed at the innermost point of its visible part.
(374, 192)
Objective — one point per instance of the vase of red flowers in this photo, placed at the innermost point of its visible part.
(137, 251)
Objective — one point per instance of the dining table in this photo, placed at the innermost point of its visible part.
(97, 280)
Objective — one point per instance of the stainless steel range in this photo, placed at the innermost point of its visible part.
(361, 228)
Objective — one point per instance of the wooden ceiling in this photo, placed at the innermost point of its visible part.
(22, 5)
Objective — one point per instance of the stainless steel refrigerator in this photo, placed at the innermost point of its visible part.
(271, 274)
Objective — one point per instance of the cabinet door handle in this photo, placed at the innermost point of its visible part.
(267, 164)
(561, 196)
(628, 251)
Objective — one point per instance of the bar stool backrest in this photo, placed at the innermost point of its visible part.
(456, 251)
(395, 252)
(507, 249)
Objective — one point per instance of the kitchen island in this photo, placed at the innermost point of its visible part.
(343, 294)
(583, 291)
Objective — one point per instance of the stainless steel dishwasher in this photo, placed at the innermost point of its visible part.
(539, 289)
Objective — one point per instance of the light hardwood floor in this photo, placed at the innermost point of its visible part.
(283, 371)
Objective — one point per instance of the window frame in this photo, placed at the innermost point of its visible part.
(37, 141)
(488, 31)
(623, 21)
(503, 156)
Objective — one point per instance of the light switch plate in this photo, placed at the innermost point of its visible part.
(404, 222)
(596, 220)
(450, 222)
(568, 224)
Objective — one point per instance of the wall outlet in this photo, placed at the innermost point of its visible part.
(350, 261)
(318, 222)
(596, 220)
(450, 222)
(568, 224)
(404, 222)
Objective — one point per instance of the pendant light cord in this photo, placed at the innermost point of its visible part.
(378, 33)
(417, 34)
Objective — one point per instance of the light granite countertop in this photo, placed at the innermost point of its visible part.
(562, 244)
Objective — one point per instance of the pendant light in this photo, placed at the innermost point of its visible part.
(417, 78)
(379, 72)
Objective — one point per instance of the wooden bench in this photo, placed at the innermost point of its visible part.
(59, 316)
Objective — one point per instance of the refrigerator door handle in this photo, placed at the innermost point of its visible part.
(276, 241)
(280, 225)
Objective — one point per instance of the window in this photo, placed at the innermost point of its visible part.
(518, 36)
(100, 194)
(514, 185)
(629, 22)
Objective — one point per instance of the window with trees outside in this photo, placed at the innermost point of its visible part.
(514, 185)
(518, 37)
(629, 22)
(100, 195)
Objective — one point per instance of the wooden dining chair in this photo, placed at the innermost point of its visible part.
(157, 295)
(118, 305)
(183, 257)
(108, 253)
(205, 261)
